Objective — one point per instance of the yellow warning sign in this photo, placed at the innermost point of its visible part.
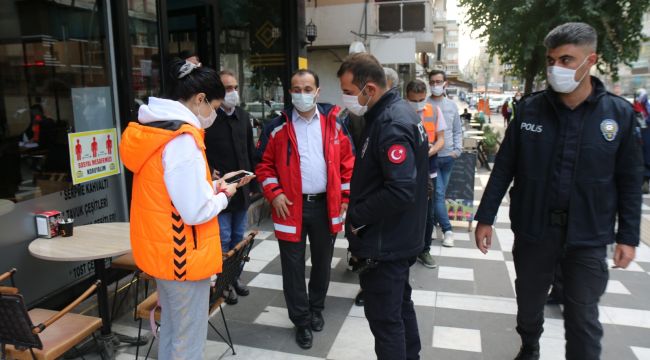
(303, 63)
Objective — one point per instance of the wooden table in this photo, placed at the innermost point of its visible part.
(96, 242)
(6, 206)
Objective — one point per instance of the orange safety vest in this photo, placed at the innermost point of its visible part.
(430, 122)
(163, 245)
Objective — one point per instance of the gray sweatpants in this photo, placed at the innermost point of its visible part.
(184, 318)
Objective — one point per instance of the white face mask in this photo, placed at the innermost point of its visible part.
(206, 121)
(437, 90)
(418, 106)
(231, 99)
(562, 79)
(351, 102)
(303, 102)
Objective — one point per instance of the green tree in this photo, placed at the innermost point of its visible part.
(515, 30)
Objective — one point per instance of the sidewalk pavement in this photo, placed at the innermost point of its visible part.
(466, 307)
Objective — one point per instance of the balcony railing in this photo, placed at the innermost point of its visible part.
(400, 16)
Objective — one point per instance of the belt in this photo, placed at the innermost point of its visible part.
(314, 197)
(559, 218)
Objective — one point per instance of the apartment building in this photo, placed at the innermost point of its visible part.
(410, 36)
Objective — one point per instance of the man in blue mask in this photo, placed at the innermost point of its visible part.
(305, 170)
(576, 164)
(388, 204)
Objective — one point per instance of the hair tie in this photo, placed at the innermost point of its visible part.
(187, 68)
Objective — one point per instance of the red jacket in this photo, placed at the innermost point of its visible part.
(279, 170)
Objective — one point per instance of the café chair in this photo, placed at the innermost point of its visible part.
(55, 332)
(147, 310)
(126, 262)
(233, 264)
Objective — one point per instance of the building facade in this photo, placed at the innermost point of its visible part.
(86, 65)
(636, 76)
(409, 36)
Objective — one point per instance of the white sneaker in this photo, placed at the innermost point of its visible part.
(448, 241)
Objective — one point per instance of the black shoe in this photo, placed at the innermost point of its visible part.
(317, 321)
(231, 298)
(359, 300)
(528, 352)
(304, 337)
(240, 288)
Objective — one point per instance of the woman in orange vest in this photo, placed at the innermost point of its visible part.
(174, 205)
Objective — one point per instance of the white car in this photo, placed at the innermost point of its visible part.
(496, 101)
(264, 110)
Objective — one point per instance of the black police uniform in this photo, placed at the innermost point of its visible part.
(388, 196)
(575, 173)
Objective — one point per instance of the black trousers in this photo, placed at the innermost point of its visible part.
(390, 312)
(315, 223)
(431, 219)
(585, 275)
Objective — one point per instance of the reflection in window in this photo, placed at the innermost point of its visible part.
(145, 56)
(252, 47)
(54, 80)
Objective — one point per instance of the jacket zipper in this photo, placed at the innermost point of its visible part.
(379, 243)
(194, 235)
(288, 151)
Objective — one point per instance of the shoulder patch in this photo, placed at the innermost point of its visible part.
(396, 154)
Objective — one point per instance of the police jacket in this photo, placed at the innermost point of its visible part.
(279, 170)
(606, 184)
(389, 184)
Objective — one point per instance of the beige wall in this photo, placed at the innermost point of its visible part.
(334, 23)
(310, 3)
(326, 63)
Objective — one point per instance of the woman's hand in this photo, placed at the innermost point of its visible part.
(229, 189)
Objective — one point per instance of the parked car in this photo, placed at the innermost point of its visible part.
(265, 110)
(496, 101)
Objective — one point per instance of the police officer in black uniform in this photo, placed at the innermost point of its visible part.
(388, 204)
(576, 165)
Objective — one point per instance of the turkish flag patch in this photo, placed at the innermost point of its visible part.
(397, 154)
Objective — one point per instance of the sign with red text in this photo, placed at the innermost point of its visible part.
(93, 155)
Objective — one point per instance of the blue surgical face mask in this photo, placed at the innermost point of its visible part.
(563, 80)
(206, 121)
(351, 102)
(303, 102)
(418, 106)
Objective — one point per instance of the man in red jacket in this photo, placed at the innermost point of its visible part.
(305, 170)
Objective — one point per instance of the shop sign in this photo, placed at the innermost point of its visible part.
(93, 155)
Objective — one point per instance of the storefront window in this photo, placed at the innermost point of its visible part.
(251, 45)
(145, 51)
(190, 24)
(54, 79)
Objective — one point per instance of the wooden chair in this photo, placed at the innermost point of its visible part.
(126, 262)
(21, 339)
(233, 263)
